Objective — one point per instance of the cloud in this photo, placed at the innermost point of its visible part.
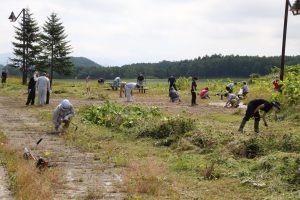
(117, 32)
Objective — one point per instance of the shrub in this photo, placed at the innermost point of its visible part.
(168, 127)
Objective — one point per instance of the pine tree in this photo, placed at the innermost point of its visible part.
(56, 49)
(27, 36)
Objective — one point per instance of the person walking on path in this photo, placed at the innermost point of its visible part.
(194, 91)
(63, 113)
(253, 109)
(42, 85)
(128, 90)
(31, 89)
(172, 81)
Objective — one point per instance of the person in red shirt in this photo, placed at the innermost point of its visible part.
(204, 93)
(276, 84)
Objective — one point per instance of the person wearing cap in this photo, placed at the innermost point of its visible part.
(253, 109)
(194, 91)
(31, 89)
(42, 85)
(63, 113)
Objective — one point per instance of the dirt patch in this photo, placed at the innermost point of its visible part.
(5, 194)
(83, 175)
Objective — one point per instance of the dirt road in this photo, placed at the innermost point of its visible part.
(82, 175)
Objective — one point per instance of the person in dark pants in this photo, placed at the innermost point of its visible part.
(31, 89)
(3, 77)
(172, 81)
(253, 111)
(48, 92)
(194, 91)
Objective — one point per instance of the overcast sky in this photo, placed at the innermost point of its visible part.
(117, 32)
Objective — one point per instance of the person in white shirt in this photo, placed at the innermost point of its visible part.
(42, 85)
(128, 90)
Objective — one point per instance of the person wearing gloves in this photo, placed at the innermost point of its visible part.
(128, 90)
(42, 85)
(63, 113)
(31, 89)
(194, 91)
(253, 109)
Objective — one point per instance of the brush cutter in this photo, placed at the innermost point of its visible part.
(41, 162)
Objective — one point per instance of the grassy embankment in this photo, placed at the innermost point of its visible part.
(211, 161)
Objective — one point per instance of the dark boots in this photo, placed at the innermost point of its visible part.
(242, 125)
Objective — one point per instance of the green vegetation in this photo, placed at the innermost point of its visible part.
(173, 151)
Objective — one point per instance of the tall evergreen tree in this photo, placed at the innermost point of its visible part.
(27, 36)
(56, 49)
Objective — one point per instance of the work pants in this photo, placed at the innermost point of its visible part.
(42, 95)
(31, 97)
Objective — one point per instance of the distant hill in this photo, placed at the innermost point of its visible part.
(83, 62)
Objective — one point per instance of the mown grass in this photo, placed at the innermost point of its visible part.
(26, 181)
(212, 161)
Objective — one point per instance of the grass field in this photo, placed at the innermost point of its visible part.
(211, 160)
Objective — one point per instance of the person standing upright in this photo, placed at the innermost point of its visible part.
(140, 80)
(194, 91)
(88, 86)
(3, 77)
(42, 85)
(172, 81)
(48, 90)
(31, 89)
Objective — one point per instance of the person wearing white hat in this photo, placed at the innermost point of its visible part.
(63, 113)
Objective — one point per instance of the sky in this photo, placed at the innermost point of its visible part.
(118, 32)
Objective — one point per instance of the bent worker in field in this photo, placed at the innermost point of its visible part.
(63, 113)
(253, 109)
(232, 100)
(128, 90)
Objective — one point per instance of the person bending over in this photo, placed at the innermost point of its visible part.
(253, 109)
(63, 113)
(232, 100)
(174, 96)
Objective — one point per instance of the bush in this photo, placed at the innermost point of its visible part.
(168, 127)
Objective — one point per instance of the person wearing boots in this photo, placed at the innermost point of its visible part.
(253, 109)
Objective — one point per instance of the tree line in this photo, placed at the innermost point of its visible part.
(214, 66)
(46, 50)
